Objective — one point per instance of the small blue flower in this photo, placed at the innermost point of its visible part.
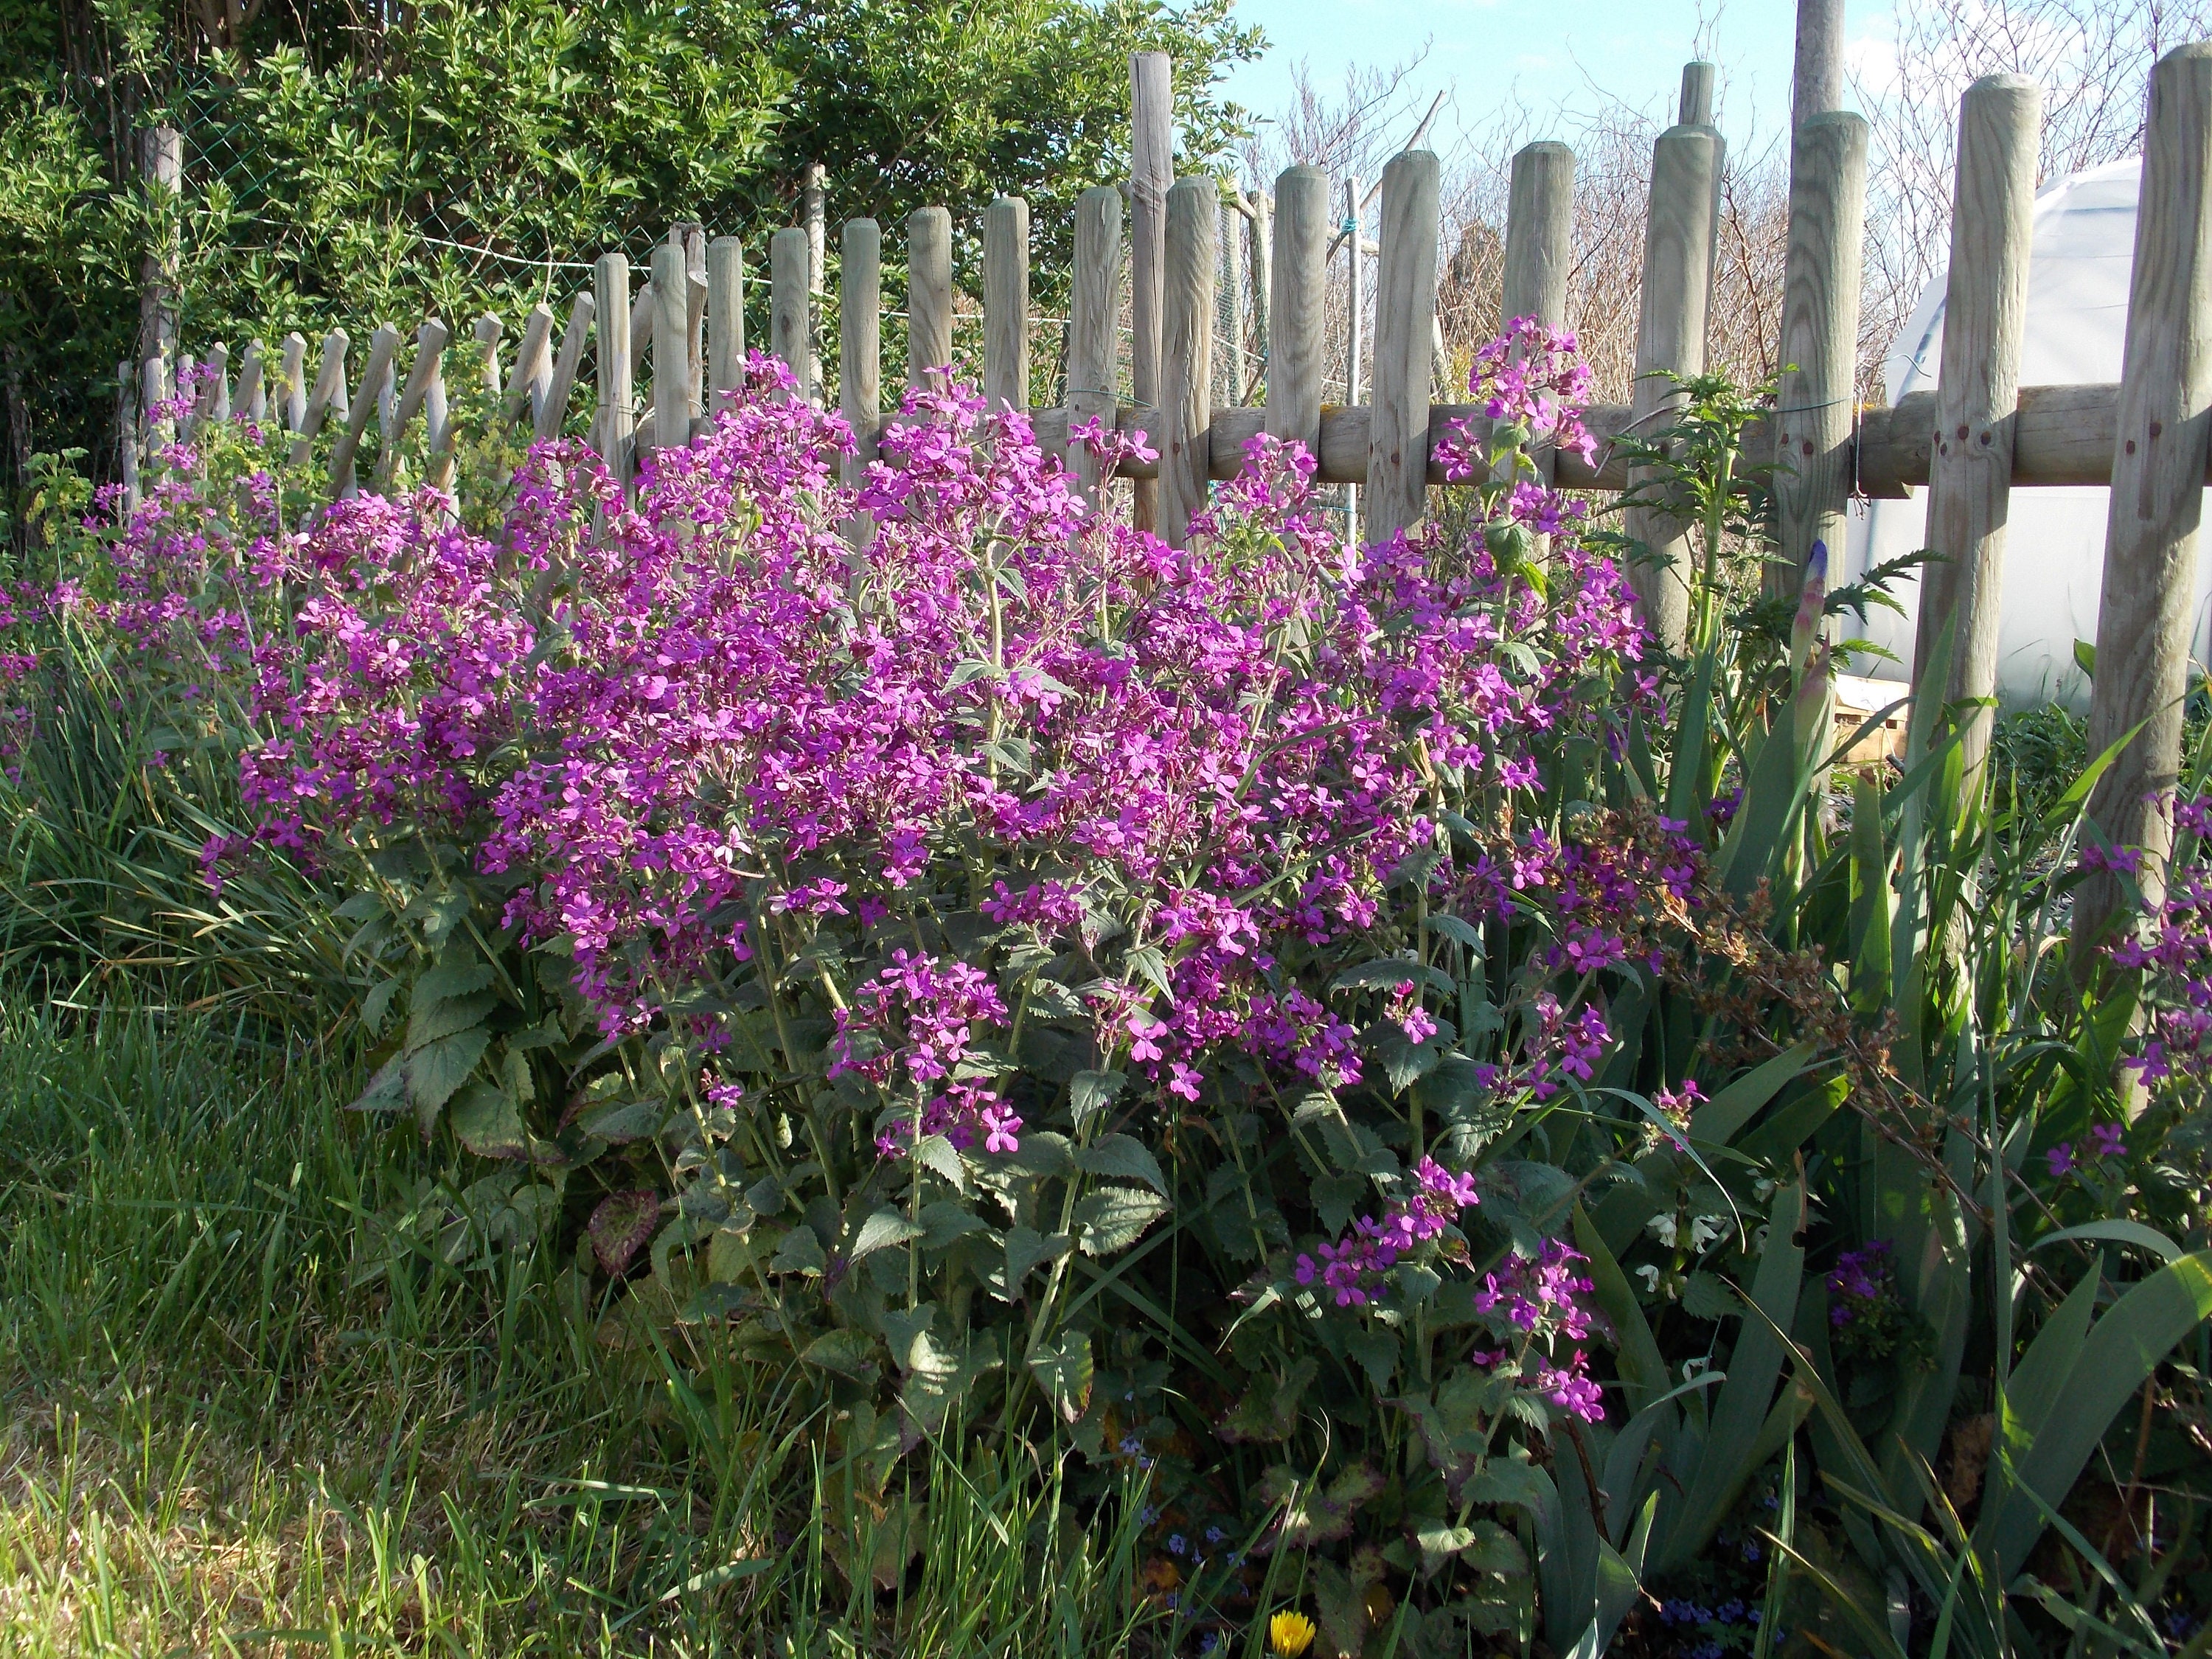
(1214, 1534)
(1208, 1643)
(1147, 1515)
(1175, 1544)
(1131, 1445)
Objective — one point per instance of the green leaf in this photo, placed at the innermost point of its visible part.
(935, 1154)
(938, 1377)
(623, 1121)
(450, 982)
(387, 1091)
(378, 1003)
(437, 1070)
(847, 1352)
(1717, 1121)
(1025, 1248)
(1092, 1092)
(1269, 1409)
(801, 1253)
(1642, 1368)
(943, 1221)
(1125, 1157)
(1113, 1218)
(2123, 1348)
(1063, 1368)
(432, 1020)
(620, 1227)
(1706, 1295)
(883, 1230)
(2117, 1231)
(489, 1123)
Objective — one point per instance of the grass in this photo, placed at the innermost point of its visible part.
(223, 1436)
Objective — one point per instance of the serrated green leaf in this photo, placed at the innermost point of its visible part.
(429, 1021)
(935, 1154)
(1125, 1157)
(847, 1352)
(882, 1230)
(801, 1253)
(1091, 1093)
(1113, 1218)
(1026, 1247)
(437, 1069)
(489, 1122)
(1064, 1369)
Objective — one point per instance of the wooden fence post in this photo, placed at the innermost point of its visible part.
(1817, 83)
(426, 370)
(1539, 250)
(1005, 304)
(1353, 234)
(2144, 620)
(928, 294)
(1819, 393)
(1094, 322)
(1152, 172)
(295, 380)
(814, 189)
(382, 346)
(329, 391)
(1695, 108)
(1296, 307)
(161, 165)
(1232, 295)
(695, 320)
(1404, 314)
(1262, 268)
(611, 316)
(1194, 218)
(533, 369)
(725, 321)
(253, 384)
(859, 341)
(671, 349)
(553, 410)
(126, 433)
(488, 330)
(788, 304)
(1978, 389)
(1670, 339)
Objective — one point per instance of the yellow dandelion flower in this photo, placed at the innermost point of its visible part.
(1290, 1634)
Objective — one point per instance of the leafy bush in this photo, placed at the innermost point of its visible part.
(1445, 1095)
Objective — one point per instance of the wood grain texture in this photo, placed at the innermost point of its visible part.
(860, 340)
(1194, 218)
(1816, 398)
(1262, 232)
(383, 346)
(616, 425)
(1094, 318)
(488, 330)
(330, 386)
(671, 389)
(533, 369)
(429, 347)
(1151, 171)
(695, 317)
(1298, 307)
(553, 410)
(126, 433)
(1404, 314)
(1006, 303)
(1540, 228)
(253, 384)
(1695, 107)
(1816, 83)
(2164, 440)
(215, 399)
(788, 305)
(1977, 388)
(929, 293)
(1232, 231)
(1670, 339)
(294, 361)
(726, 319)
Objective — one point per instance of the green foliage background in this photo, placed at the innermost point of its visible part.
(349, 164)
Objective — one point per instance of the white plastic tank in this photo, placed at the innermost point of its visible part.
(2054, 560)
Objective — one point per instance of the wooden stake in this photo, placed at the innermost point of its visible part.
(487, 330)
(2144, 622)
(1007, 304)
(814, 199)
(533, 369)
(1355, 308)
(928, 294)
(861, 341)
(1696, 107)
(788, 305)
(616, 416)
(1978, 389)
(1405, 316)
(296, 382)
(329, 389)
(1094, 318)
(725, 321)
(1817, 86)
(429, 350)
(1819, 394)
(1232, 294)
(1298, 307)
(253, 384)
(1151, 171)
(671, 349)
(126, 433)
(1540, 245)
(1194, 219)
(1670, 339)
(382, 346)
(553, 410)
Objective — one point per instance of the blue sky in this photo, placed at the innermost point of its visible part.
(1552, 56)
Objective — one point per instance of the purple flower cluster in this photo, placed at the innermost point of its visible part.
(1859, 1282)
(1540, 1301)
(1352, 1267)
(2175, 948)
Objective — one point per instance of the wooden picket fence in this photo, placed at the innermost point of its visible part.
(1973, 440)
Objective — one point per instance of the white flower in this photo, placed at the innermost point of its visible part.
(1649, 1271)
(1708, 1229)
(1663, 1227)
